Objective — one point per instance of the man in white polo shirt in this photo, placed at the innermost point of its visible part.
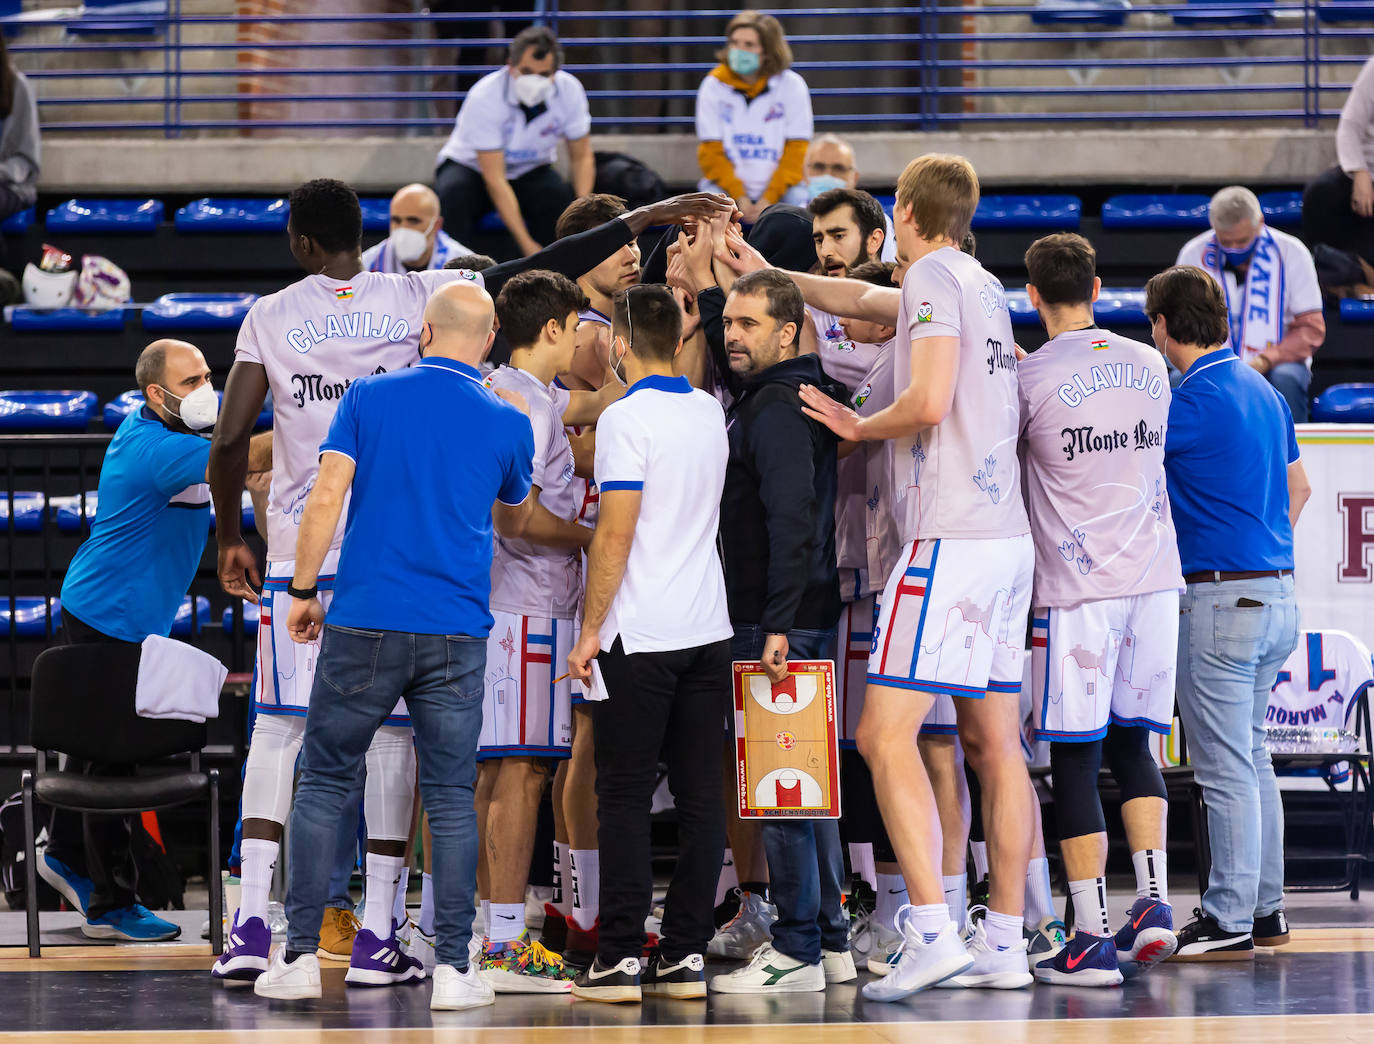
(501, 152)
(655, 646)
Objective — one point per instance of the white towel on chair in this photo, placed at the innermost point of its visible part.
(176, 680)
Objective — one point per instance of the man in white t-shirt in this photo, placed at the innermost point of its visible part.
(417, 242)
(655, 627)
(504, 142)
(1273, 300)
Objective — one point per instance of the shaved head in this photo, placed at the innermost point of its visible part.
(415, 199)
(458, 319)
(153, 361)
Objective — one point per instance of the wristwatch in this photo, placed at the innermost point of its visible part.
(306, 594)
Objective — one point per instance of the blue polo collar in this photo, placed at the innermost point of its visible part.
(1202, 362)
(657, 382)
(441, 363)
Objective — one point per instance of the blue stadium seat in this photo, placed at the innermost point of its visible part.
(1345, 404)
(30, 616)
(1155, 211)
(105, 215)
(1031, 213)
(1216, 13)
(1338, 11)
(1019, 307)
(1281, 208)
(1081, 12)
(887, 203)
(491, 222)
(120, 18)
(1115, 307)
(19, 222)
(129, 401)
(1356, 311)
(376, 214)
(37, 411)
(28, 512)
(247, 517)
(67, 510)
(66, 320)
(198, 311)
(232, 215)
(181, 626)
(250, 619)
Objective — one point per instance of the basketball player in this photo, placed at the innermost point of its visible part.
(1094, 409)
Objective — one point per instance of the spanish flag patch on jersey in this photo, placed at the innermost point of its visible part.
(344, 293)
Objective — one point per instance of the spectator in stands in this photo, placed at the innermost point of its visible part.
(19, 148)
(754, 119)
(417, 241)
(1235, 487)
(501, 152)
(1273, 301)
(830, 165)
(1338, 204)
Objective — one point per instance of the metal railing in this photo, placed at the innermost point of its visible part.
(922, 66)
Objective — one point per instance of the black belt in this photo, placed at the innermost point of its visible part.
(1213, 576)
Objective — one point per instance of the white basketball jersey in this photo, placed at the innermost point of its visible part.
(1320, 682)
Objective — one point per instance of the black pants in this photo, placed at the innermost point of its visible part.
(674, 703)
(463, 198)
(96, 846)
(1327, 217)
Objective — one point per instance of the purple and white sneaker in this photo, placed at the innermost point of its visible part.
(381, 962)
(250, 946)
(1148, 936)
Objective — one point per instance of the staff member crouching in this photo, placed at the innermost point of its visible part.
(425, 451)
(656, 627)
(1236, 487)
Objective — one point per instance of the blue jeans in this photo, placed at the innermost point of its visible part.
(359, 676)
(1228, 658)
(805, 862)
(1292, 380)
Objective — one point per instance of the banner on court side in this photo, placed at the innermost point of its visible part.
(787, 743)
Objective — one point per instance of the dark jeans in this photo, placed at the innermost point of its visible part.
(359, 676)
(671, 703)
(805, 861)
(96, 846)
(1327, 217)
(542, 194)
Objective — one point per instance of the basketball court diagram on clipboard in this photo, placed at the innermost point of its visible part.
(787, 742)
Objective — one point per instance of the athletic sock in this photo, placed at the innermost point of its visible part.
(562, 869)
(586, 887)
(1090, 906)
(506, 923)
(1151, 874)
(892, 897)
(956, 899)
(382, 874)
(427, 904)
(259, 857)
(485, 911)
(728, 878)
(930, 920)
(980, 859)
(861, 862)
(1039, 893)
(398, 905)
(1003, 930)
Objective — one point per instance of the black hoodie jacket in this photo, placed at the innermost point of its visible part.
(777, 512)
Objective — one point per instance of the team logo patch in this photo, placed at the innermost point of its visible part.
(344, 293)
(844, 346)
(863, 395)
(924, 313)
(472, 276)
(1100, 344)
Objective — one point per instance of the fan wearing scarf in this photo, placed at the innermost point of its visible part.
(1273, 301)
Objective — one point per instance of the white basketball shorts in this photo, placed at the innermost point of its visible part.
(524, 712)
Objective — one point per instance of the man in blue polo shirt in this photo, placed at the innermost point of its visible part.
(1236, 486)
(425, 451)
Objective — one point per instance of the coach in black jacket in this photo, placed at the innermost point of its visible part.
(777, 521)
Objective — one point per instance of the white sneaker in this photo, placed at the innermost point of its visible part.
(421, 947)
(887, 942)
(403, 931)
(535, 898)
(299, 980)
(475, 946)
(456, 991)
(994, 969)
(749, 929)
(920, 964)
(771, 972)
(838, 965)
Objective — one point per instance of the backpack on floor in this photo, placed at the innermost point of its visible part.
(12, 877)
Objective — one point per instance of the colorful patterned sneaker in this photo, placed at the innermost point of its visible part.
(614, 983)
(554, 933)
(381, 962)
(1045, 941)
(683, 980)
(1271, 930)
(751, 927)
(72, 886)
(246, 957)
(338, 929)
(1147, 937)
(771, 972)
(1086, 960)
(131, 924)
(523, 966)
(1202, 939)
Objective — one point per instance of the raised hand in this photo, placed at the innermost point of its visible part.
(839, 418)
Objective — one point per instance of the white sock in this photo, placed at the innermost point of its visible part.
(980, 858)
(257, 858)
(427, 904)
(382, 874)
(1039, 894)
(892, 897)
(930, 920)
(1003, 930)
(507, 921)
(1090, 906)
(398, 906)
(1151, 874)
(485, 913)
(728, 878)
(586, 886)
(956, 899)
(861, 861)
(562, 874)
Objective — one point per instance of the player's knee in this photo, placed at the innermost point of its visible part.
(1128, 756)
(1077, 805)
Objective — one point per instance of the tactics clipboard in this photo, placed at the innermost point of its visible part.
(787, 742)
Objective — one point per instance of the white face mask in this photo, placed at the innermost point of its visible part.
(409, 244)
(532, 90)
(200, 409)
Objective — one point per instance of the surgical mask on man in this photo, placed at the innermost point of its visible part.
(824, 183)
(409, 244)
(532, 89)
(741, 62)
(1236, 258)
(200, 409)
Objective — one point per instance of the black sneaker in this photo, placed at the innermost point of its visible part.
(614, 984)
(1271, 930)
(683, 979)
(1203, 940)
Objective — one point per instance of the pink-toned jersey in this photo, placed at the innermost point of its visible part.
(1094, 409)
(314, 339)
(960, 478)
(846, 361)
(527, 578)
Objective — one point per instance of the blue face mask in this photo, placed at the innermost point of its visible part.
(824, 183)
(1236, 258)
(742, 63)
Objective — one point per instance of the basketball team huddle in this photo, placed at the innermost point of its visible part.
(970, 499)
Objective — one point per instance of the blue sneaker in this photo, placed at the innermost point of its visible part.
(69, 884)
(1085, 960)
(1148, 936)
(132, 924)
